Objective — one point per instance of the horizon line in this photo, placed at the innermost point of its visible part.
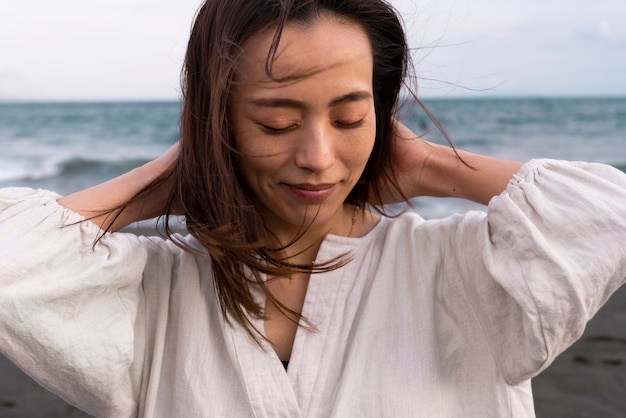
(425, 98)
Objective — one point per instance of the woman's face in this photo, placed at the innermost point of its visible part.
(304, 142)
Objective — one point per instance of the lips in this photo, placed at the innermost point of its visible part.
(312, 192)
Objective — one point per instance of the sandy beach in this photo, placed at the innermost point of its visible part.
(588, 380)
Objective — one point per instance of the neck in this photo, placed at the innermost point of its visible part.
(301, 242)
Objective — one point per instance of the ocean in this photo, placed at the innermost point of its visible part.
(69, 146)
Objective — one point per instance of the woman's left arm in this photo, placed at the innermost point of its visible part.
(547, 255)
(422, 168)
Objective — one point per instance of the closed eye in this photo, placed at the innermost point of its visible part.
(350, 125)
(277, 131)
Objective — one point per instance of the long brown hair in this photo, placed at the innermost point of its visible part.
(220, 213)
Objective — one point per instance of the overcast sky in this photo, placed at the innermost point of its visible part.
(133, 49)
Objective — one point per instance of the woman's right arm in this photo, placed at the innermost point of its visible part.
(71, 310)
(96, 203)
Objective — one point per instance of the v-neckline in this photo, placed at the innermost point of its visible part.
(308, 367)
(274, 391)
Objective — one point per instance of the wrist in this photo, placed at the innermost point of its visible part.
(440, 170)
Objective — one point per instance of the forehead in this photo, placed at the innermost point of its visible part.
(325, 43)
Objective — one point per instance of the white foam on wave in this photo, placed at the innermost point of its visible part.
(28, 169)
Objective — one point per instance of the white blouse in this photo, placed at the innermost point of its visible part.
(444, 318)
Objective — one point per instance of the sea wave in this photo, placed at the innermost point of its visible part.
(68, 168)
(77, 166)
(74, 167)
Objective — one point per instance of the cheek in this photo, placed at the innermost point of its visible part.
(359, 153)
(257, 165)
(250, 152)
(247, 165)
(252, 175)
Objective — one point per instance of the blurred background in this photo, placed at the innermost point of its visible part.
(89, 90)
(133, 49)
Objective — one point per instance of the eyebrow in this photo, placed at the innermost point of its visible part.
(296, 104)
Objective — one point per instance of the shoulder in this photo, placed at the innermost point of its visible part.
(411, 225)
(410, 239)
(178, 264)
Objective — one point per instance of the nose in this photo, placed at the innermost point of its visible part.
(315, 151)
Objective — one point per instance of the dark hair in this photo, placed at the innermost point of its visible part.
(219, 211)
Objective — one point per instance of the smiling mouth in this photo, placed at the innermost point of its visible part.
(312, 192)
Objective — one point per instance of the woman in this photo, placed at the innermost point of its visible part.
(287, 131)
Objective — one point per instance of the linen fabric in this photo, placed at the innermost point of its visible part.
(440, 318)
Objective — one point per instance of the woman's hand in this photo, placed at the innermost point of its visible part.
(409, 155)
(421, 168)
(101, 203)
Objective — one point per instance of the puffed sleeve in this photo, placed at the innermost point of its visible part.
(549, 253)
(71, 311)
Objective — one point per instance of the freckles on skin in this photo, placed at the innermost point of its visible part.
(336, 57)
(312, 129)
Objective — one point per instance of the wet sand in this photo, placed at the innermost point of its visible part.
(21, 397)
(588, 380)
